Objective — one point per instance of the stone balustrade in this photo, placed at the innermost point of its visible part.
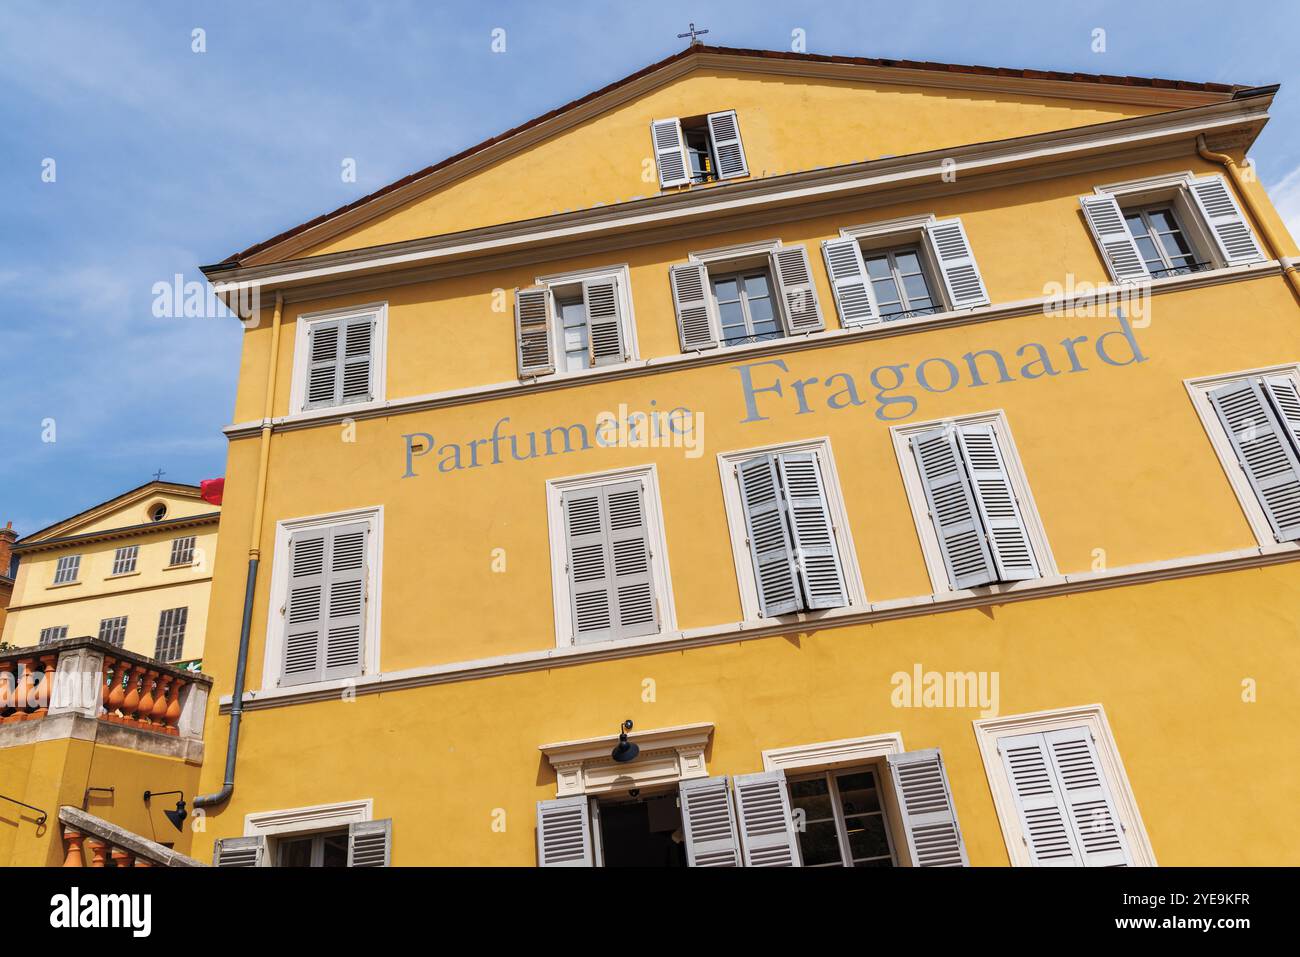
(90, 841)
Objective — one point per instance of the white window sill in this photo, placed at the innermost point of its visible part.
(121, 575)
(64, 584)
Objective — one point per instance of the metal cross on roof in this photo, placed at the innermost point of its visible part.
(692, 33)
(157, 476)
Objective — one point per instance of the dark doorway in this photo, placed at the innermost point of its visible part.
(642, 833)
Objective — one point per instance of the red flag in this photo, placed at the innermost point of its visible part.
(210, 490)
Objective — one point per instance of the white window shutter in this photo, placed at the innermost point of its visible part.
(358, 359)
(1224, 218)
(323, 348)
(1264, 451)
(326, 608)
(709, 823)
(767, 830)
(370, 843)
(801, 310)
(690, 284)
(816, 553)
(304, 609)
(240, 852)
(853, 297)
(961, 274)
(1114, 241)
(1004, 523)
(670, 152)
(604, 309)
(770, 544)
(925, 801)
(588, 565)
(1044, 818)
(951, 502)
(1087, 798)
(633, 592)
(728, 151)
(533, 332)
(564, 833)
(342, 652)
(1285, 398)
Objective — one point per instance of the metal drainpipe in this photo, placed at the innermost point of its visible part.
(1290, 268)
(250, 585)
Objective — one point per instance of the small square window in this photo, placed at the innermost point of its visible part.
(124, 559)
(182, 551)
(113, 630)
(54, 633)
(67, 569)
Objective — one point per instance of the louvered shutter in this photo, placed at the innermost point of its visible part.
(709, 823)
(771, 546)
(358, 359)
(1264, 452)
(325, 610)
(951, 502)
(853, 296)
(1113, 238)
(600, 299)
(815, 551)
(304, 609)
(728, 152)
(690, 284)
(370, 843)
(766, 826)
(611, 580)
(564, 833)
(1087, 798)
(961, 274)
(1285, 399)
(1044, 819)
(240, 852)
(802, 313)
(1004, 523)
(533, 332)
(670, 152)
(323, 363)
(345, 626)
(925, 800)
(1224, 218)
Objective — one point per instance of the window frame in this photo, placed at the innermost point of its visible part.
(119, 623)
(177, 632)
(739, 276)
(988, 731)
(891, 254)
(744, 257)
(73, 562)
(569, 285)
(648, 476)
(276, 620)
(172, 562)
(1198, 390)
(746, 582)
(302, 359)
(1145, 211)
(838, 818)
(929, 536)
(895, 234)
(1174, 190)
(317, 838)
(120, 559)
(42, 641)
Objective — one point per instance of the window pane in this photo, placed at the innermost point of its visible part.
(886, 291)
(867, 836)
(878, 267)
(858, 792)
(731, 314)
(916, 288)
(726, 289)
(1147, 248)
(760, 310)
(296, 853)
(335, 850)
(908, 262)
(813, 796)
(757, 286)
(1136, 225)
(1175, 245)
(1162, 219)
(820, 844)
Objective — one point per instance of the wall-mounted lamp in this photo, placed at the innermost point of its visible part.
(40, 821)
(178, 816)
(625, 750)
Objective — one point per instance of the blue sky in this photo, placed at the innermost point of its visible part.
(166, 159)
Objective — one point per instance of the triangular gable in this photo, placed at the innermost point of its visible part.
(481, 185)
(128, 509)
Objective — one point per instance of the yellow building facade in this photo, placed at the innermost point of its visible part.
(911, 455)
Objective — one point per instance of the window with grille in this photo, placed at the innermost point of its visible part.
(171, 634)
(183, 551)
(54, 633)
(67, 569)
(113, 630)
(124, 559)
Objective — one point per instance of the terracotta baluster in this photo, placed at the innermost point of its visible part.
(174, 706)
(131, 703)
(97, 848)
(44, 696)
(7, 683)
(74, 839)
(146, 699)
(118, 693)
(158, 719)
(121, 857)
(143, 862)
(105, 670)
(23, 691)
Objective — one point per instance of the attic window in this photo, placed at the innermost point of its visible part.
(157, 512)
(699, 155)
(698, 149)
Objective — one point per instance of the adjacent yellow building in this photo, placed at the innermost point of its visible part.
(910, 452)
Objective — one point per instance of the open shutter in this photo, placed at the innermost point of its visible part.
(670, 152)
(690, 284)
(636, 609)
(925, 800)
(1285, 399)
(1008, 538)
(709, 823)
(801, 311)
(961, 275)
(358, 359)
(342, 651)
(323, 363)
(1113, 238)
(1224, 218)
(611, 581)
(304, 610)
(766, 825)
(853, 297)
(1087, 798)
(533, 332)
(770, 545)
(1044, 819)
(815, 552)
(1265, 453)
(728, 152)
(240, 852)
(370, 843)
(951, 501)
(604, 321)
(564, 833)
